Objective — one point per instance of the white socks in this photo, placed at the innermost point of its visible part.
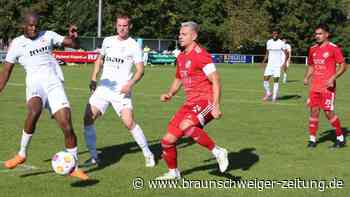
(275, 91)
(312, 138)
(140, 139)
(267, 87)
(25, 141)
(284, 77)
(73, 151)
(340, 138)
(216, 150)
(90, 140)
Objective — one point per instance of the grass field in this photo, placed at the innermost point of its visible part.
(266, 141)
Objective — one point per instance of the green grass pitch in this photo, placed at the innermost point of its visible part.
(265, 141)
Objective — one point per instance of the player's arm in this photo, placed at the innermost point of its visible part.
(286, 53)
(71, 39)
(174, 88)
(340, 71)
(137, 77)
(265, 58)
(216, 85)
(308, 73)
(5, 74)
(97, 67)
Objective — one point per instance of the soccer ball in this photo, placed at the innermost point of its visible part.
(63, 163)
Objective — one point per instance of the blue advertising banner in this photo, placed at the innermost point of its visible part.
(231, 58)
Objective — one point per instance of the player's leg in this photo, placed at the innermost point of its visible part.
(168, 143)
(90, 115)
(61, 111)
(266, 85)
(313, 125)
(275, 87)
(195, 131)
(335, 122)
(328, 99)
(34, 106)
(127, 117)
(64, 120)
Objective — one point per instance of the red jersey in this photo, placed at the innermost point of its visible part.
(192, 68)
(324, 60)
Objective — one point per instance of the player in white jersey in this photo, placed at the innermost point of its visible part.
(117, 55)
(275, 48)
(44, 84)
(289, 50)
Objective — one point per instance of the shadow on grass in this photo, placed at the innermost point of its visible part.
(243, 159)
(113, 154)
(87, 183)
(329, 135)
(289, 97)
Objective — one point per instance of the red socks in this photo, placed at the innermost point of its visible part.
(335, 122)
(201, 137)
(313, 126)
(169, 154)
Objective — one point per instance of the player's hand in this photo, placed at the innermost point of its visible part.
(330, 82)
(92, 86)
(216, 112)
(306, 81)
(73, 32)
(127, 87)
(165, 97)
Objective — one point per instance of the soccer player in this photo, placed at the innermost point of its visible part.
(275, 48)
(117, 55)
(289, 50)
(196, 72)
(44, 87)
(323, 59)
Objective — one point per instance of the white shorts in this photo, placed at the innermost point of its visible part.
(273, 71)
(53, 98)
(101, 99)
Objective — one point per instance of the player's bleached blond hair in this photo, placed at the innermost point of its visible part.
(192, 25)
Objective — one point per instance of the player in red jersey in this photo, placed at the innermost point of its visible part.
(323, 59)
(197, 74)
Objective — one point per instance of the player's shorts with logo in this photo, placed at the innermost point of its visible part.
(199, 114)
(274, 71)
(103, 96)
(52, 95)
(324, 100)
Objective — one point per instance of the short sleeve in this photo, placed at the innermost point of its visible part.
(267, 45)
(103, 48)
(338, 55)
(56, 38)
(206, 63)
(310, 61)
(12, 53)
(137, 55)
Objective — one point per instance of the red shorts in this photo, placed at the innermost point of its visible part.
(199, 114)
(324, 100)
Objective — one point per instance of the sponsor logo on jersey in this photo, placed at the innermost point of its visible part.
(188, 64)
(114, 59)
(325, 54)
(41, 50)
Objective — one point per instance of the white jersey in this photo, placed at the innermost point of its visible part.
(36, 57)
(119, 56)
(276, 54)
